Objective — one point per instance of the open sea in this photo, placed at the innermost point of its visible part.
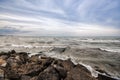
(101, 52)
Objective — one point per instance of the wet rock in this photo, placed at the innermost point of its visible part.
(23, 57)
(59, 49)
(102, 71)
(61, 71)
(47, 62)
(84, 69)
(19, 66)
(34, 70)
(104, 77)
(13, 52)
(49, 74)
(68, 64)
(78, 74)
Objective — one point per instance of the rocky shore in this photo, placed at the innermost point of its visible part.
(19, 66)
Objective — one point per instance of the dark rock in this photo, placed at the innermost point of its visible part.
(104, 77)
(62, 72)
(83, 69)
(24, 77)
(47, 62)
(19, 66)
(12, 75)
(23, 57)
(78, 74)
(49, 74)
(67, 64)
(13, 51)
(58, 49)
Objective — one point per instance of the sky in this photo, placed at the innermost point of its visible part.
(60, 17)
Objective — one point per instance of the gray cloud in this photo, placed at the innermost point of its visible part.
(59, 17)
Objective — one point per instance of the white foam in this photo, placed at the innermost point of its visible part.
(33, 54)
(25, 46)
(94, 73)
(100, 41)
(110, 50)
(64, 57)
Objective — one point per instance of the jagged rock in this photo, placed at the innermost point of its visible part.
(83, 69)
(68, 64)
(19, 66)
(49, 74)
(78, 74)
(46, 62)
(62, 72)
(23, 57)
(33, 70)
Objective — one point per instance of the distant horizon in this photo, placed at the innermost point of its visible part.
(55, 36)
(60, 17)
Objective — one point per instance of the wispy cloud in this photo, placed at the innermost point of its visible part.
(60, 17)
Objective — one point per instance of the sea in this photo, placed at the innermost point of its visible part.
(101, 52)
(21, 43)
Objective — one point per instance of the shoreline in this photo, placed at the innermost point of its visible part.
(14, 62)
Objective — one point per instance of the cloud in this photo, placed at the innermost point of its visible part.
(53, 27)
(60, 17)
(6, 30)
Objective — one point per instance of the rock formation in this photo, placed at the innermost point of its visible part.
(19, 66)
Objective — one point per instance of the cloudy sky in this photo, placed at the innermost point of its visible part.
(60, 17)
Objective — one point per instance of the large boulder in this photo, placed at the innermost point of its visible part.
(49, 74)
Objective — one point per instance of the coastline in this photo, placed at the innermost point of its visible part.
(19, 66)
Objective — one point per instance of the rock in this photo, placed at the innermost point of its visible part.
(24, 77)
(1, 73)
(35, 59)
(49, 74)
(104, 77)
(47, 62)
(43, 57)
(83, 69)
(78, 74)
(13, 51)
(3, 62)
(34, 78)
(19, 66)
(61, 71)
(59, 49)
(68, 64)
(33, 70)
(23, 57)
(12, 75)
(102, 71)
